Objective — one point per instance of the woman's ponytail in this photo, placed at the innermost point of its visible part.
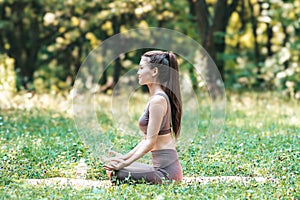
(169, 76)
(172, 89)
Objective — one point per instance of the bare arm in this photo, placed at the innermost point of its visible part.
(133, 151)
(157, 110)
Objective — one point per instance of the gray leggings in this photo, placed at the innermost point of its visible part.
(166, 167)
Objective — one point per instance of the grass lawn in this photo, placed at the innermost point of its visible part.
(261, 138)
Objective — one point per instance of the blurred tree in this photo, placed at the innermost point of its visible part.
(212, 19)
(49, 40)
(254, 43)
(8, 75)
(262, 54)
(254, 23)
(36, 33)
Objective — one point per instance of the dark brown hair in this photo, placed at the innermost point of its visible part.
(167, 65)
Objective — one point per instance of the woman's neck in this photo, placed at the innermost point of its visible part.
(154, 88)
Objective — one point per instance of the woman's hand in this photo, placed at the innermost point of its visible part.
(114, 153)
(115, 163)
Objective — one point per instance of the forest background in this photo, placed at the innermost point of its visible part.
(254, 43)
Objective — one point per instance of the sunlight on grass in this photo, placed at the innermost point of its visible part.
(261, 138)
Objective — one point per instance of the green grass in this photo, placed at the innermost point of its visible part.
(261, 138)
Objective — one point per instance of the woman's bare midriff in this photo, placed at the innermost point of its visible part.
(164, 142)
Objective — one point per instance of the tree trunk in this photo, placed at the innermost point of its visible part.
(212, 35)
(270, 36)
(117, 22)
(257, 56)
(25, 55)
(286, 39)
(241, 14)
(103, 79)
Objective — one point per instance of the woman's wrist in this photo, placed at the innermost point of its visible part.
(126, 156)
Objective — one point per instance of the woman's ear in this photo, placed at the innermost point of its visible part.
(155, 72)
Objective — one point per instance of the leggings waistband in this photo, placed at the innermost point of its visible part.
(163, 151)
(162, 158)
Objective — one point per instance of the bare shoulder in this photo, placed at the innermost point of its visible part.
(157, 99)
(158, 107)
(158, 102)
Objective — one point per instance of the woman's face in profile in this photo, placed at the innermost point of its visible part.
(145, 73)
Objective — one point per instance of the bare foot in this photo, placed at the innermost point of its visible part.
(109, 172)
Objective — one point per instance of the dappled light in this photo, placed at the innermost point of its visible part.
(71, 92)
(40, 141)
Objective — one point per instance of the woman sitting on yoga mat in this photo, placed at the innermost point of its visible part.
(159, 71)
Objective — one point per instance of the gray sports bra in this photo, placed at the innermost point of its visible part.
(165, 127)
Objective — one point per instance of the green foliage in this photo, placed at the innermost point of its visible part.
(49, 40)
(8, 75)
(39, 143)
(51, 77)
(276, 67)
